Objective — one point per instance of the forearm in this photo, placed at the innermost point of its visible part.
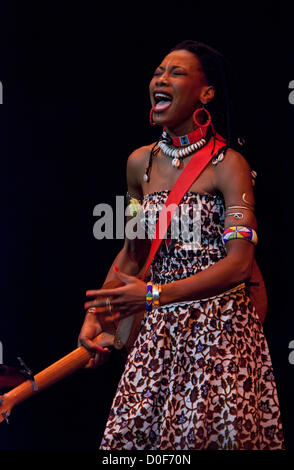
(215, 279)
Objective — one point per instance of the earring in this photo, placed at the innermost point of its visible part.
(152, 123)
(208, 122)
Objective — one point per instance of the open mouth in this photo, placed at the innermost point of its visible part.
(162, 100)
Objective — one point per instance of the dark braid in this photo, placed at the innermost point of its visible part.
(154, 151)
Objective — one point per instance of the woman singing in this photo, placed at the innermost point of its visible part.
(199, 375)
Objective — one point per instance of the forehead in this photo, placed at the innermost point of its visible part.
(182, 58)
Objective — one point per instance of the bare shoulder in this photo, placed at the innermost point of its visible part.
(232, 162)
(234, 165)
(140, 155)
(233, 178)
(136, 166)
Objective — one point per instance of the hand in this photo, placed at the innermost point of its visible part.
(127, 300)
(100, 352)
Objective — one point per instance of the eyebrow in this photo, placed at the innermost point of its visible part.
(173, 67)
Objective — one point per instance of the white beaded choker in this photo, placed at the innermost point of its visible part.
(178, 154)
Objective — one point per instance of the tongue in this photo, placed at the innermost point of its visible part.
(162, 105)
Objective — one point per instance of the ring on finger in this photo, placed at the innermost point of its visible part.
(91, 310)
(108, 305)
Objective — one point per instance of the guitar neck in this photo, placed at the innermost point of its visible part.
(52, 374)
(66, 365)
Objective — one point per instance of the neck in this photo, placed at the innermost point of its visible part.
(190, 138)
(182, 129)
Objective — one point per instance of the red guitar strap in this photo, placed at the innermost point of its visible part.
(195, 166)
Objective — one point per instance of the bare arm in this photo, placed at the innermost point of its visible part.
(130, 259)
(233, 179)
(133, 255)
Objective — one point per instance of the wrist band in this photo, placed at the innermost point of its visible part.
(149, 296)
(156, 294)
(239, 231)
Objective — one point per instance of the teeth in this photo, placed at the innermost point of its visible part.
(161, 95)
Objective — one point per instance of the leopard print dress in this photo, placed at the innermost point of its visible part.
(199, 375)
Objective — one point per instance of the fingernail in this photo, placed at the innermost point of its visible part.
(115, 268)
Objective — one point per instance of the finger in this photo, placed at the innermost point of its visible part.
(90, 364)
(91, 346)
(124, 313)
(105, 292)
(101, 358)
(110, 318)
(101, 304)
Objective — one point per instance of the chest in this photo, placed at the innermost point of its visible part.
(163, 176)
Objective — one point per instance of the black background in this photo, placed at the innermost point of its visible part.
(76, 103)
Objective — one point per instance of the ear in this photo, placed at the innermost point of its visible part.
(207, 94)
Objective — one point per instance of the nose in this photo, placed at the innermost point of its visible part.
(162, 79)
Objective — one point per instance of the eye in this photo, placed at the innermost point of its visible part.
(179, 72)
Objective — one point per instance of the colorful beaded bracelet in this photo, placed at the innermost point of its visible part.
(149, 297)
(152, 296)
(240, 232)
